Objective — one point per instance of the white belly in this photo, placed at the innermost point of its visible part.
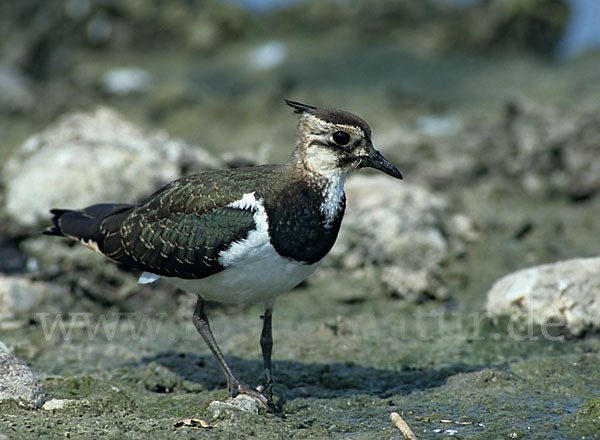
(258, 280)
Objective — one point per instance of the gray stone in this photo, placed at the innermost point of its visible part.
(400, 228)
(566, 293)
(78, 270)
(125, 81)
(218, 409)
(15, 93)
(545, 149)
(542, 149)
(417, 148)
(58, 404)
(89, 158)
(268, 56)
(21, 297)
(17, 381)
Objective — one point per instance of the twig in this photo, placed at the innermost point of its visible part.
(193, 422)
(402, 426)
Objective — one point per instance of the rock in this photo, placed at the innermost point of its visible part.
(402, 229)
(17, 381)
(544, 149)
(218, 409)
(50, 256)
(540, 149)
(126, 81)
(81, 273)
(89, 158)
(15, 92)
(561, 294)
(57, 404)
(268, 56)
(21, 298)
(438, 126)
(418, 148)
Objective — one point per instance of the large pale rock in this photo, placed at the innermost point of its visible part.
(401, 228)
(567, 292)
(17, 381)
(94, 157)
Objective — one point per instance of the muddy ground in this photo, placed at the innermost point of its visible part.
(346, 352)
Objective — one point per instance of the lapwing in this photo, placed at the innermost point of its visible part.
(241, 236)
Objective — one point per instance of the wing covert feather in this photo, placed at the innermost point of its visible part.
(180, 230)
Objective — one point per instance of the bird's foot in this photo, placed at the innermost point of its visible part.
(259, 394)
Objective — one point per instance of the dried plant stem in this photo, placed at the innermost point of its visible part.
(402, 426)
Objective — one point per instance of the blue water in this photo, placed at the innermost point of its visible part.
(582, 33)
(261, 6)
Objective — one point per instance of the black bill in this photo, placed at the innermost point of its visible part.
(376, 160)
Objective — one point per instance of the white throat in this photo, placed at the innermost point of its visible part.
(324, 163)
(333, 193)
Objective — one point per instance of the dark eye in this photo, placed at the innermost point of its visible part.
(341, 137)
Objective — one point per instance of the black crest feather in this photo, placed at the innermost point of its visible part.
(299, 107)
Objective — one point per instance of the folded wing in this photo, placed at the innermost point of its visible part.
(179, 231)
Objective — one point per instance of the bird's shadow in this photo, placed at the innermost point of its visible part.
(295, 379)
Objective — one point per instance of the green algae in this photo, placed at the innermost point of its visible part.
(585, 423)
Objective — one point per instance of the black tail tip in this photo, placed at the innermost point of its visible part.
(52, 230)
(55, 228)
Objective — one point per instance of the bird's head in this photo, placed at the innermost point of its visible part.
(335, 142)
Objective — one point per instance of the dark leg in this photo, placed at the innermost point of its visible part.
(266, 344)
(202, 325)
(235, 385)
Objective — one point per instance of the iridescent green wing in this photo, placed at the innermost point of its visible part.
(180, 230)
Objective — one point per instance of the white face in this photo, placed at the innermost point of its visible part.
(333, 149)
